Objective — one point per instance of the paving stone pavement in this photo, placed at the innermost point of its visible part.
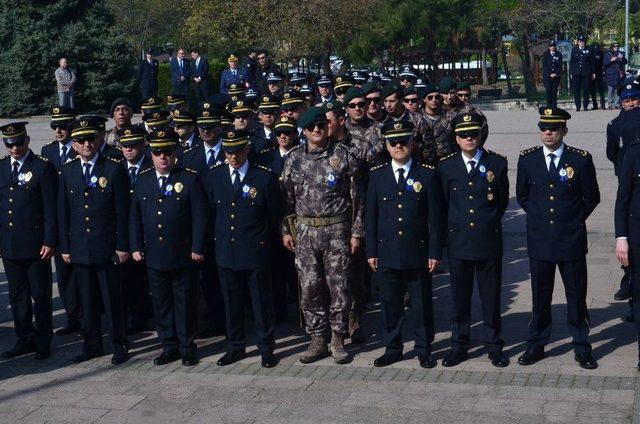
(554, 390)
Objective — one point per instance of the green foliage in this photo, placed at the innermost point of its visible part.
(164, 80)
(34, 36)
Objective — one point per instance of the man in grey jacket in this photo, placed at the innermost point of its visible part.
(66, 81)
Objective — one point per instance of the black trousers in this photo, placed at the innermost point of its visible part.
(489, 276)
(149, 91)
(284, 278)
(174, 295)
(597, 87)
(393, 283)
(202, 90)
(574, 277)
(135, 290)
(211, 316)
(551, 88)
(30, 279)
(580, 86)
(100, 285)
(234, 284)
(68, 290)
(181, 88)
(634, 266)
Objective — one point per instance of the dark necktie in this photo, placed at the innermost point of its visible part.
(133, 176)
(14, 172)
(236, 181)
(65, 155)
(553, 171)
(234, 72)
(87, 174)
(211, 160)
(472, 163)
(401, 180)
(163, 184)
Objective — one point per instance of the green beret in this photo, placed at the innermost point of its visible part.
(370, 87)
(312, 115)
(391, 89)
(353, 93)
(334, 106)
(431, 88)
(447, 84)
(463, 85)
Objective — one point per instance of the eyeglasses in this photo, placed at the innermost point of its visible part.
(319, 125)
(359, 105)
(402, 143)
(373, 99)
(411, 100)
(468, 134)
(433, 97)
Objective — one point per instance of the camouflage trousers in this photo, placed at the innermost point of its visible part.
(323, 261)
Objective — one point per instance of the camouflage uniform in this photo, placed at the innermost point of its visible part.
(324, 183)
(369, 130)
(464, 108)
(111, 137)
(426, 145)
(442, 133)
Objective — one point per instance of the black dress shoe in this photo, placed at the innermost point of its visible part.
(387, 359)
(71, 328)
(167, 358)
(454, 358)
(42, 354)
(625, 290)
(19, 349)
(85, 356)
(629, 317)
(638, 366)
(190, 359)
(231, 357)
(586, 361)
(269, 360)
(531, 355)
(498, 359)
(427, 361)
(120, 356)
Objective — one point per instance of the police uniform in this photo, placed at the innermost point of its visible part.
(151, 104)
(325, 80)
(59, 153)
(475, 195)
(27, 223)
(558, 190)
(92, 215)
(168, 222)
(247, 208)
(581, 69)
(106, 150)
(552, 64)
(264, 138)
(403, 224)
(183, 118)
(232, 76)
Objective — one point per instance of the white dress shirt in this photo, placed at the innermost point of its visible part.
(92, 162)
(20, 161)
(242, 171)
(475, 159)
(214, 150)
(395, 166)
(557, 152)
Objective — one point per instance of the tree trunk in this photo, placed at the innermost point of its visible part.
(527, 67)
(503, 56)
(483, 57)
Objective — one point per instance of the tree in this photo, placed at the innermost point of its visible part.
(35, 35)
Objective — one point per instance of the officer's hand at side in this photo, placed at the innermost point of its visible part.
(287, 241)
(66, 257)
(122, 256)
(196, 257)
(355, 245)
(373, 263)
(433, 264)
(46, 253)
(622, 251)
(137, 256)
(593, 76)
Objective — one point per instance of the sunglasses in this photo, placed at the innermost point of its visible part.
(16, 144)
(394, 143)
(468, 134)
(61, 127)
(552, 129)
(341, 91)
(373, 99)
(411, 101)
(319, 125)
(358, 105)
(158, 153)
(85, 140)
(434, 97)
(287, 133)
(405, 79)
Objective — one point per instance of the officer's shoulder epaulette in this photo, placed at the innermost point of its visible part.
(51, 142)
(424, 165)
(267, 150)
(578, 151)
(190, 170)
(614, 120)
(296, 148)
(449, 156)
(71, 161)
(530, 150)
(491, 152)
(219, 165)
(263, 167)
(146, 170)
(4, 157)
(42, 158)
(114, 159)
(377, 167)
(188, 150)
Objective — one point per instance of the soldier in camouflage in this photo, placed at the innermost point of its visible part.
(362, 127)
(455, 105)
(438, 122)
(323, 192)
(374, 110)
(121, 112)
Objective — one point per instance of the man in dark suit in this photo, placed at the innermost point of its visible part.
(59, 152)
(582, 72)
(597, 84)
(180, 73)
(263, 70)
(247, 205)
(168, 227)
(558, 189)
(200, 75)
(93, 196)
(135, 284)
(474, 194)
(403, 225)
(234, 75)
(200, 158)
(148, 76)
(28, 236)
(552, 73)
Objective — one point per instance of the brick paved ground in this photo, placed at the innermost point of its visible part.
(554, 390)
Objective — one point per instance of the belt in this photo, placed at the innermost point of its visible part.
(324, 221)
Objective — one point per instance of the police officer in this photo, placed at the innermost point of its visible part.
(475, 194)
(264, 137)
(275, 83)
(459, 104)
(407, 76)
(148, 75)
(297, 80)
(582, 72)
(168, 226)
(135, 284)
(150, 105)
(372, 95)
(362, 127)
(177, 102)
(403, 225)
(323, 193)
(325, 89)
(247, 206)
(93, 195)
(341, 84)
(184, 124)
(104, 149)
(597, 83)
(200, 158)
(552, 73)
(557, 188)
(235, 74)
(59, 152)
(28, 236)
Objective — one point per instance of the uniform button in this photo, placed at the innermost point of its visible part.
(159, 212)
(471, 211)
(10, 212)
(88, 230)
(86, 206)
(470, 197)
(551, 210)
(233, 204)
(471, 224)
(384, 198)
(86, 194)
(159, 225)
(233, 228)
(232, 216)
(551, 198)
(399, 233)
(159, 200)
(400, 219)
(551, 222)
(232, 240)
(400, 206)
(470, 183)
(399, 193)
(11, 224)
(10, 188)
(10, 200)
(550, 185)
(160, 238)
